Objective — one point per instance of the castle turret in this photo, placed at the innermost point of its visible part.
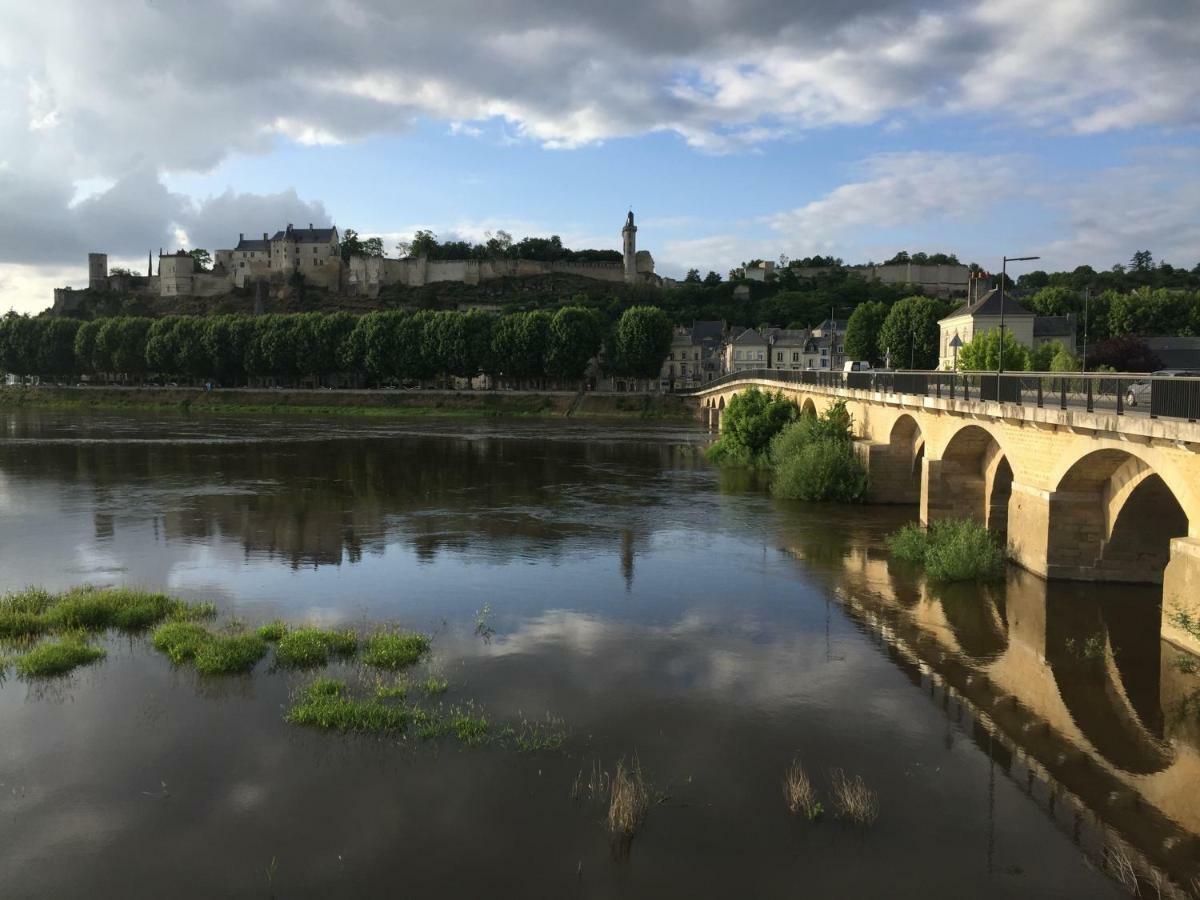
(629, 248)
(97, 270)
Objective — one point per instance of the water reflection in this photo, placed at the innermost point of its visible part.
(1074, 677)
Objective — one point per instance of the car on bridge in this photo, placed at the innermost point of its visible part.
(1139, 392)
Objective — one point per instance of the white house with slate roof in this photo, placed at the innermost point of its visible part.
(1027, 328)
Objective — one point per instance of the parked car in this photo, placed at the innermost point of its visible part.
(1139, 391)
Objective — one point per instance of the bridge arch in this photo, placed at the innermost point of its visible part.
(808, 407)
(974, 479)
(1112, 518)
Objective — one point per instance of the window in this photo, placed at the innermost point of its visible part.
(737, 354)
(778, 356)
(760, 354)
(242, 264)
(795, 357)
(683, 368)
(671, 355)
(696, 355)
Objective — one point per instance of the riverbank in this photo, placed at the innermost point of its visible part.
(468, 404)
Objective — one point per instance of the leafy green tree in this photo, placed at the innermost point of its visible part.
(18, 353)
(910, 332)
(692, 277)
(712, 279)
(226, 340)
(56, 346)
(120, 347)
(642, 341)
(445, 343)
(202, 257)
(506, 346)
(1055, 301)
(575, 337)
(1041, 356)
(412, 358)
(1142, 261)
(478, 328)
(862, 331)
(330, 332)
(354, 245)
(752, 419)
(982, 353)
(1064, 361)
(85, 346)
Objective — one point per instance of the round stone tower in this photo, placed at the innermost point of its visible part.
(97, 270)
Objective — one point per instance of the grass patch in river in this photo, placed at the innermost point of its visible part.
(35, 611)
(58, 657)
(629, 799)
(434, 684)
(273, 631)
(308, 647)
(394, 649)
(181, 641)
(327, 705)
(800, 794)
(853, 800)
(229, 654)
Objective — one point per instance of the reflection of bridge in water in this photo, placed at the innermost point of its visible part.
(1068, 688)
(1077, 494)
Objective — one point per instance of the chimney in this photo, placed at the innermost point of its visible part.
(264, 235)
(241, 236)
(310, 228)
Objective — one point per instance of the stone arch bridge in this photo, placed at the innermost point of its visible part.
(1076, 494)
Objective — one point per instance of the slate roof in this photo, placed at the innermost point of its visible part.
(1050, 326)
(749, 336)
(989, 305)
(307, 235)
(244, 244)
(1176, 352)
(706, 331)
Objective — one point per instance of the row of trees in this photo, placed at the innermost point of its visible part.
(378, 347)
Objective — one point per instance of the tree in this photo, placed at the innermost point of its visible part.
(712, 279)
(574, 338)
(1042, 356)
(1064, 361)
(862, 331)
(56, 346)
(478, 327)
(692, 277)
(909, 334)
(85, 346)
(18, 353)
(751, 420)
(330, 332)
(354, 245)
(1123, 354)
(499, 244)
(1142, 261)
(226, 341)
(202, 257)
(982, 353)
(642, 341)
(1054, 301)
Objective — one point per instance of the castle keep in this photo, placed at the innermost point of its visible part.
(316, 253)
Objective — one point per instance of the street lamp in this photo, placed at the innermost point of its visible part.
(1003, 279)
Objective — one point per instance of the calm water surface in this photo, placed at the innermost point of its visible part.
(1018, 737)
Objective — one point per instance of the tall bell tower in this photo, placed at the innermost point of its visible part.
(629, 248)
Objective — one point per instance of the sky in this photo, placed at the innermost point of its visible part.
(1066, 129)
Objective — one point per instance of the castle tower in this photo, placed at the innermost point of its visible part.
(629, 248)
(97, 271)
(149, 263)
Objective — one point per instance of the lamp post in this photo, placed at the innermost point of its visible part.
(1087, 291)
(1003, 279)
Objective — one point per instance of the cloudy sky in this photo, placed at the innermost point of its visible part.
(1066, 128)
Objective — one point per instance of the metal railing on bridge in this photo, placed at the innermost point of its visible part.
(1122, 393)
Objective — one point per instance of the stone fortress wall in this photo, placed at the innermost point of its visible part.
(316, 254)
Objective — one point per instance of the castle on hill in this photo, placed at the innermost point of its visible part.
(316, 253)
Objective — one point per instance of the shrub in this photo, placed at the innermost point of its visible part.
(313, 646)
(57, 658)
(272, 631)
(823, 470)
(814, 459)
(951, 550)
(229, 654)
(23, 614)
(751, 421)
(394, 649)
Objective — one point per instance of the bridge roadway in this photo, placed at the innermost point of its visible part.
(1076, 495)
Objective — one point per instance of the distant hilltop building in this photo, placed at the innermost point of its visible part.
(939, 280)
(316, 253)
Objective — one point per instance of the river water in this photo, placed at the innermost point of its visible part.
(1024, 740)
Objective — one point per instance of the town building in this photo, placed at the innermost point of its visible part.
(1027, 328)
(695, 357)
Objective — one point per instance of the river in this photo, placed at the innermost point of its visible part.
(1024, 740)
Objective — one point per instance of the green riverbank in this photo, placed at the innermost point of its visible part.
(382, 403)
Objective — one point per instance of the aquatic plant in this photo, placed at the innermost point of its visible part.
(435, 684)
(483, 626)
(35, 611)
(229, 654)
(547, 734)
(181, 641)
(471, 729)
(951, 550)
(629, 799)
(58, 657)
(814, 459)
(852, 798)
(751, 421)
(307, 647)
(799, 792)
(394, 649)
(272, 631)
(327, 705)
(1090, 648)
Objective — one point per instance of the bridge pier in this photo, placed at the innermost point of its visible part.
(894, 477)
(1181, 594)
